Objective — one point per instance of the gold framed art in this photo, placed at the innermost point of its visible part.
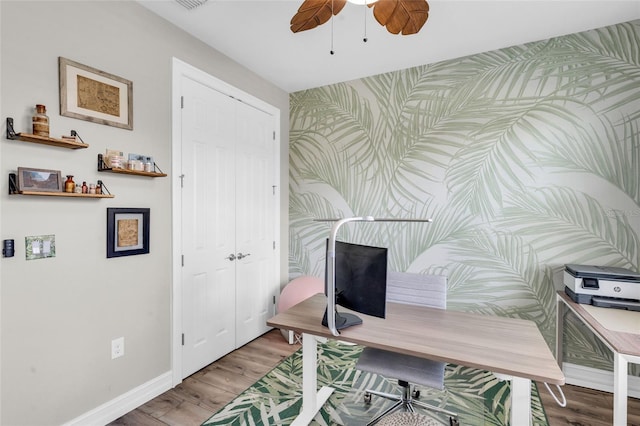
(89, 94)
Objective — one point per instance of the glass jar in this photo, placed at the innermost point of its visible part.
(92, 188)
(69, 184)
(85, 188)
(40, 121)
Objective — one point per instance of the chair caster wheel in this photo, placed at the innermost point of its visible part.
(367, 398)
(415, 393)
(453, 422)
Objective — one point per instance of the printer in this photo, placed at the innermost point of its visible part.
(604, 286)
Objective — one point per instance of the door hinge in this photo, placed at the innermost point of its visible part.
(181, 102)
(274, 299)
(274, 189)
(181, 181)
(182, 259)
(182, 339)
(274, 135)
(274, 245)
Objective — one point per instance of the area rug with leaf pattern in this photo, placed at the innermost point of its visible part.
(477, 396)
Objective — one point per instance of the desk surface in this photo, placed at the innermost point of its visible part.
(621, 342)
(501, 345)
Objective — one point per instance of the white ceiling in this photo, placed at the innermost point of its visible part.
(256, 34)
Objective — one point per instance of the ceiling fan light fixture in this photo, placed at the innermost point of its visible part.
(403, 17)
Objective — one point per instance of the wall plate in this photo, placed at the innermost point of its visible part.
(40, 246)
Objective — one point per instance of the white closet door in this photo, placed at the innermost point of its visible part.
(256, 283)
(229, 276)
(208, 222)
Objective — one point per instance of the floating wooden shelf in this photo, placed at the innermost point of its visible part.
(132, 172)
(63, 194)
(43, 140)
(50, 141)
(102, 167)
(13, 190)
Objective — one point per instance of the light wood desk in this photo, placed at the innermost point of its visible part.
(510, 347)
(624, 345)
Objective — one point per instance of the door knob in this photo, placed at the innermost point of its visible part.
(242, 256)
(231, 257)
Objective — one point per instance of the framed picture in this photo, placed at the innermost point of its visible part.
(39, 180)
(127, 231)
(90, 94)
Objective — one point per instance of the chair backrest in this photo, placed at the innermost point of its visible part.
(417, 289)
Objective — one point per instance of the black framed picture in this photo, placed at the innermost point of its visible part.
(127, 231)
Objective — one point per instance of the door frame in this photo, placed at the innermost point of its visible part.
(181, 70)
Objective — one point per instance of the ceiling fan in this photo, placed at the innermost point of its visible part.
(397, 16)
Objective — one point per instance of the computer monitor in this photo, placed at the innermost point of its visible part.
(360, 282)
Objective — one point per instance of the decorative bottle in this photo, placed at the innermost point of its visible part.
(69, 184)
(40, 121)
(85, 188)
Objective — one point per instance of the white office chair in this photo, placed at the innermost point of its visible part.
(411, 289)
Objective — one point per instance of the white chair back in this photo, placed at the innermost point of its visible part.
(417, 289)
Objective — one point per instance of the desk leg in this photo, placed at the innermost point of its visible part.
(560, 309)
(520, 401)
(312, 399)
(620, 384)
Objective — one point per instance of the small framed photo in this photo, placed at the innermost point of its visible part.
(39, 180)
(127, 231)
(89, 94)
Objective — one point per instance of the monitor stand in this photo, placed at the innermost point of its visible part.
(343, 320)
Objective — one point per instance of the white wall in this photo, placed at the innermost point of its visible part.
(59, 315)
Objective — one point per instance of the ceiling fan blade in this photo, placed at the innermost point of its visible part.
(315, 12)
(406, 16)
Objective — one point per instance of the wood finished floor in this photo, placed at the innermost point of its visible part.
(205, 392)
(202, 394)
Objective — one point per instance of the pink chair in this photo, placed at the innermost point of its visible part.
(296, 291)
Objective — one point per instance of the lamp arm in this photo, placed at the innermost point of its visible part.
(331, 272)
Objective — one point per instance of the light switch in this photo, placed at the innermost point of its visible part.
(40, 246)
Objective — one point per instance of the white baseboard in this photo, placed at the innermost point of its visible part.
(124, 403)
(593, 378)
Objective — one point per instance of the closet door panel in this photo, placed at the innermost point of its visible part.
(256, 285)
(208, 221)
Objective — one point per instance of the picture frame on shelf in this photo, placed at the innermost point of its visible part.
(86, 93)
(39, 180)
(127, 231)
(142, 158)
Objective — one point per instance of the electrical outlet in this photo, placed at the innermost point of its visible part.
(117, 347)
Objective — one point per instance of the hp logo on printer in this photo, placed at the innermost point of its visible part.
(617, 289)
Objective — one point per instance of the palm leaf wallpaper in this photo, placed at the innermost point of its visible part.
(526, 158)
